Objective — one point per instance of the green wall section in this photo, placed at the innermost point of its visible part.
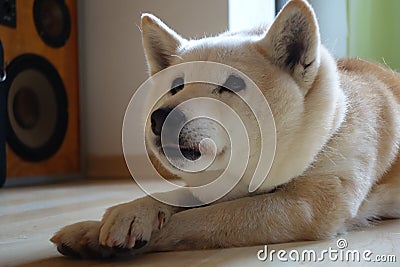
(374, 31)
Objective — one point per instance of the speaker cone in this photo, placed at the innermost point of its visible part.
(37, 108)
(52, 21)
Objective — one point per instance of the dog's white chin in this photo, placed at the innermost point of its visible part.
(206, 162)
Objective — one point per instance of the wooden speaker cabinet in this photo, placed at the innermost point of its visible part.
(39, 39)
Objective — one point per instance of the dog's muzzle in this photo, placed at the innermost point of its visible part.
(170, 131)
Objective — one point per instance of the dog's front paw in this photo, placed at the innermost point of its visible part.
(81, 240)
(130, 225)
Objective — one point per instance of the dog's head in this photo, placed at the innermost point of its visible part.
(284, 61)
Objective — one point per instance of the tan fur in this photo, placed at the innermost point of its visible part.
(337, 161)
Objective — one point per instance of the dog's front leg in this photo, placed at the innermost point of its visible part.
(305, 209)
(124, 227)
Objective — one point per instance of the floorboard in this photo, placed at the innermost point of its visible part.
(30, 215)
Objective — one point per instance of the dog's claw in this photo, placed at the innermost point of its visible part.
(68, 251)
(55, 239)
(139, 244)
(132, 240)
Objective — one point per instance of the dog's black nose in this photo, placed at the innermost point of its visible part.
(159, 116)
(157, 119)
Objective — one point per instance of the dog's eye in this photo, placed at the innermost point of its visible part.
(233, 84)
(177, 85)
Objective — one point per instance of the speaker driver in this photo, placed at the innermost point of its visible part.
(37, 108)
(52, 21)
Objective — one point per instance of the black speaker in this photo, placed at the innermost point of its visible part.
(3, 117)
(53, 22)
(37, 108)
(40, 95)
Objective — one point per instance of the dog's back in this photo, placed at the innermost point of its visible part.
(374, 100)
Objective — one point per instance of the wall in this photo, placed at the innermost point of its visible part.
(112, 63)
(332, 19)
(250, 14)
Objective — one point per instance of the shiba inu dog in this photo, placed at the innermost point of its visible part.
(336, 164)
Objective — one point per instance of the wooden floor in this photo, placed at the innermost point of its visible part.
(30, 215)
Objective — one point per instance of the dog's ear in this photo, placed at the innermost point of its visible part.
(293, 42)
(160, 43)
